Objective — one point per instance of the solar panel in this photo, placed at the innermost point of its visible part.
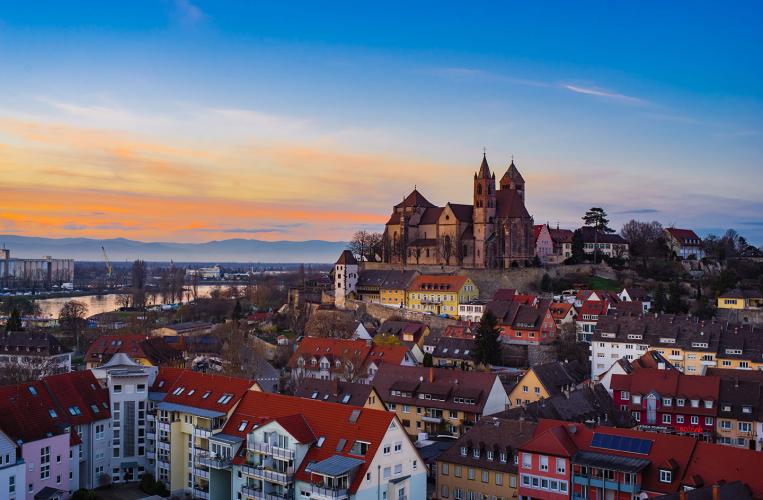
(621, 443)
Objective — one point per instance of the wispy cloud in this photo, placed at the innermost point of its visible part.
(638, 211)
(187, 14)
(605, 94)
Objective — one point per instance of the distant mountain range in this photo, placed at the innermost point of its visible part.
(121, 249)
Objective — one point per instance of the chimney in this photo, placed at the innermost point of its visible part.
(716, 491)
(431, 374)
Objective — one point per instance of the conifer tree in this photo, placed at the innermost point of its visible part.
(487, 339)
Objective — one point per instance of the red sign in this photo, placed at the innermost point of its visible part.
(689, 428)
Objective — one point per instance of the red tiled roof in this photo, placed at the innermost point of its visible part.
(383, 353)
(204, 391)
(79, 390)
(560, 310)
(668, 383)
(714, 463)
(594, 307)
(524, 298)
(682, 235)
(506, 294)
(331, 421)
(26, 416)
(154, 349)
(415, 199)
(317, 347)
(665, 449)
(437, 283)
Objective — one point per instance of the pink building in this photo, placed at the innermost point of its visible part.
(30, 417)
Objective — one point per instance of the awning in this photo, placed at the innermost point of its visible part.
(49, 493)
(335, 465)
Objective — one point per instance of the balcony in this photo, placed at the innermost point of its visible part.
(597, 482)
(260, 472)
(321, 492)
(201, 473)
(163, 445)
(248, 492)
(431, 420)
(151, 435)
(200, 492)
(163, 426)
(275, 451)
(207, 460)
(150, 455)
(201, 432)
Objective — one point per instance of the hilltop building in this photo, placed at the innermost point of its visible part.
(496, 231)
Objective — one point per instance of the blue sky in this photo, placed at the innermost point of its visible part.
(302, 121)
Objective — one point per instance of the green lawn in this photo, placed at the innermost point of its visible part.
(599, 283)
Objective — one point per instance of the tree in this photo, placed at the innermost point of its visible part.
(644, 238)
(675, 305)
(446, 248)
(329, 324)
(596, 218)
(366, 246)
(72, 319)
(14, 322)
(35, 368)
(660, 301)
(578, 247)
(84, 494)
(428, 361)
(546, 284)
(487, 349)
(138, 284)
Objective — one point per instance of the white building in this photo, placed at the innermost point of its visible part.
(28, 273)
(12, 470)
(472, 310)
(346, 272)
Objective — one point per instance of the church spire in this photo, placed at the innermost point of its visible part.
(484, 172)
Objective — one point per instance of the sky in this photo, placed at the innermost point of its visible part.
(193, 120)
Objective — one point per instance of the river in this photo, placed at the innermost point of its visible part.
(95, 303)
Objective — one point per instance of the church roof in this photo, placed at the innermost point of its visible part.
(484, 172)
(415, 199)
(514, 174)
(431, 215)
(509, 204)
(462, 212)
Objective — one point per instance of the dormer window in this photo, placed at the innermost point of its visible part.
(476, 452)
(695, 403)
(680, 401)
(667, 402)
(708, 404)
(463, 451)
(666, 476)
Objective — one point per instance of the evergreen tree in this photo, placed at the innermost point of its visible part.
(488, 344)
(675, 305)
(660, 299)
(596, 218)
(428, 359)
(14, 322)
(578, 247)
(545, 283)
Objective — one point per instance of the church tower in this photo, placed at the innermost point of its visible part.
(512, 179)
(484, 211)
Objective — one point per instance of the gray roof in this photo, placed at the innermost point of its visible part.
(200, 412)
(226, 438)
(335, 465)
(607, 461)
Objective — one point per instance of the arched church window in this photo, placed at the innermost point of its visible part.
(479, 188)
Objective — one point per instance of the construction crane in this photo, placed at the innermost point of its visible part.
(108, 264)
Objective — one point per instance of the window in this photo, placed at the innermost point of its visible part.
(725, 424)
(457, 471)
(387, 472)
(694, 420)
(666, 476)
(498, 479)
(485, 476)
(399, 447)
(387, 449)
(463, 451)
(708, 420)
(745, 426)
(444, 469)
(679, 419)
(527, 460)
(561, 466)
(680, 401)
(45, 462)
(667, 402)
(470, 474)
(666, 418)
(398, 469)
(99, 431)
(543, 460)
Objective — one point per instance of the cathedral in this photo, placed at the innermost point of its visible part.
(496, 231)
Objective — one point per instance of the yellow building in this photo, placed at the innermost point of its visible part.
(440, 294)
(740, 299)
(740, 417)
(481, 464)
(187, 408)
(545, 380)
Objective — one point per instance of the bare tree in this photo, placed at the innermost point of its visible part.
(138, 284)
(644, 238)
(33, 368)
(329, 325)
(447, 248)
(72, 319)
(123, 300)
